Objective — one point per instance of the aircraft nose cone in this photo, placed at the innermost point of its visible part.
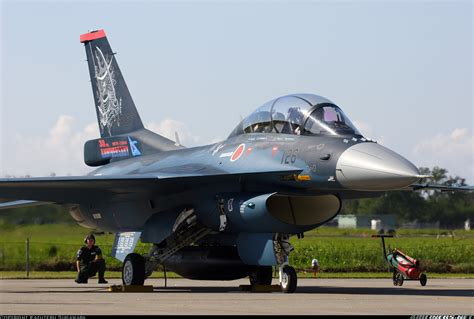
(372, 167)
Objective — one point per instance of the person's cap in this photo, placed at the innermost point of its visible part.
(90, 236)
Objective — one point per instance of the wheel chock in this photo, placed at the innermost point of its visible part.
(132, 288)
(260, 288)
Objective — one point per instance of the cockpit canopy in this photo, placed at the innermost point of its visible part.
(299, 114)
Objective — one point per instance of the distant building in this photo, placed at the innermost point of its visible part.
(347, 221)
(365, 221)
(387, 221)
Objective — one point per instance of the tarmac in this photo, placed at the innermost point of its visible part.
(182, 296)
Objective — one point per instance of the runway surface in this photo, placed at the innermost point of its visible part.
(182, 296)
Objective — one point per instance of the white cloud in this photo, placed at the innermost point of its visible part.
(168, 127)
(60, 151)
(453, 151)
(459, 134)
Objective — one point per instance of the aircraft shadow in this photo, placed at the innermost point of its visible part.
(334, 290)
(388, 291)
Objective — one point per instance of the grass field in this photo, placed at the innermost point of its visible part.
(353, 254)
(53, 248)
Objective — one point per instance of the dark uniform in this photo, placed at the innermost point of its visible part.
(89, 266)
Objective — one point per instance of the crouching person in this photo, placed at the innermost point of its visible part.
(90, 262)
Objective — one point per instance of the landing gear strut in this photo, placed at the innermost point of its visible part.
(287, 274)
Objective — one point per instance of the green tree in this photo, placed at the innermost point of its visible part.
(451, 209)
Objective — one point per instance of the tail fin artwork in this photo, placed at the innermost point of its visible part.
(116, 111)
(121, 129)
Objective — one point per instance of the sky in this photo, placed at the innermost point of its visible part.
(401, 70)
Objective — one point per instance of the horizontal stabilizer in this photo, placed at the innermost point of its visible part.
(105, 150)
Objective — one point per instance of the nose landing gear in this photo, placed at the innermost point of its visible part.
(288, 279)
(287, 274)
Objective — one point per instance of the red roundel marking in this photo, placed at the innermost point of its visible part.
(274, 151)
(238, 152)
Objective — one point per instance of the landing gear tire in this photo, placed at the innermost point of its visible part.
(133, 270)
(423, 280)
(262, 276)
(288, 280)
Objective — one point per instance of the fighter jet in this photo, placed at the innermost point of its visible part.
(222, 211)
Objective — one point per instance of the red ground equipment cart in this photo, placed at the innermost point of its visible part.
(403, 266)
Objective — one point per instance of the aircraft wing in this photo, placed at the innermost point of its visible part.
(77, 189)
(8, 204)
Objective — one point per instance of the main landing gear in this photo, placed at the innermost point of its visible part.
(136, 268)
(133, 270)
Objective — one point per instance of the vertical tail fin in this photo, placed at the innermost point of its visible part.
(121, 129)
(115, 109)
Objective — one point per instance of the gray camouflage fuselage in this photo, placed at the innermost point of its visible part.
(315, 156)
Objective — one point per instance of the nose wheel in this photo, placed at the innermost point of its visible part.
(288, 279)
